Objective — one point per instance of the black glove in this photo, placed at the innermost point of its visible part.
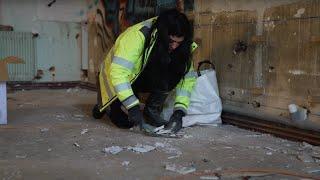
(175, 122)
(135, 115)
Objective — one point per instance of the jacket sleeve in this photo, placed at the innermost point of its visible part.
(127, 52)
(185, 87)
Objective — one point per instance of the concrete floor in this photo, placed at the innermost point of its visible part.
(44, 129)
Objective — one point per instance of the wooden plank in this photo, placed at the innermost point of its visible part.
(292, 53)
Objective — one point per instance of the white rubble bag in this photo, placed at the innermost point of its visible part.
(205, 104)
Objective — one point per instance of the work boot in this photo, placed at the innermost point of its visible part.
(153, 108)
(96, 112)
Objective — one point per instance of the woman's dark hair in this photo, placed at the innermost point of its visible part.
(178, 62)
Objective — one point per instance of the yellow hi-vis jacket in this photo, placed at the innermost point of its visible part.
(122, 66)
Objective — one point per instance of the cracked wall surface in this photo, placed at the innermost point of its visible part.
(279, 64)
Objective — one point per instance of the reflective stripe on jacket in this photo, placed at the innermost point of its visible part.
(123, 65)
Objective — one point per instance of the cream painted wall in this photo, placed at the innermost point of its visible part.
(59, 41)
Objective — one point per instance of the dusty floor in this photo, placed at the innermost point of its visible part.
(51, 135)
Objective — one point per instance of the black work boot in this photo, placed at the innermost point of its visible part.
(153, 108)
(96, 112)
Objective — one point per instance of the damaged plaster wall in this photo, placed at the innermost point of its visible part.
(266, 55)
(56, 28)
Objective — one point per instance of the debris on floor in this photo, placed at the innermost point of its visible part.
(84, 131)
(180, 169)
(125, 163)
(314, 171)
(187, 136)
(167, 148)
(270, 149)
(209, 177)
(21, 156)
(159, 145)
(113, 150)
(78, 115)
(269, 153)
(44, 130)
(139, 148)
(305, 158)
(41, 155)
(76, 144)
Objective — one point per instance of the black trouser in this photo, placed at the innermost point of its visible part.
(120, 118)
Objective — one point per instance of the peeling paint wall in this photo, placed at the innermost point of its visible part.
(278, 67)
(56, 30)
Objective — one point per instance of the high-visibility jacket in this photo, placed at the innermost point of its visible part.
(123, 63)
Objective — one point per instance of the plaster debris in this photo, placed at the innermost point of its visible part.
(139, 148)
(78, 115)
(269, 153)
(49, 150)
(60, 117)
(187, 136)
(284, 151)
(159, 144)
(288, 145)
(125, 163)
(299, 12)
(254, 135)
(270, 149)
(227, 147)
(163, 131)
(305, 158)
(316, 157)
(314, 171)
(21, 156)
(84, 131)
(305, 145)
(69, 90)
(76, 144)
(44, 130)
(209, 177)
(171, 150)
(172, 157)
(158, 128)
(113, 149)
(180, 169)
(254, 147)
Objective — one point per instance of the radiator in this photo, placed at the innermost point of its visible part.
(22, 45)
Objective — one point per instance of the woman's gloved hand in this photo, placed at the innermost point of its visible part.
(175, 122)
(135, 115)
